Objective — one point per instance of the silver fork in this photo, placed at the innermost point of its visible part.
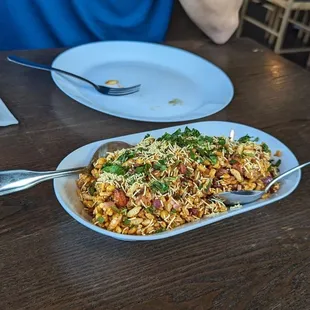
(100, 88)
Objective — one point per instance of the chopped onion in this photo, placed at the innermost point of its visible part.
(267, 180)
(157, 203)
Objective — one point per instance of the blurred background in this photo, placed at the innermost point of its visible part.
(281, 25)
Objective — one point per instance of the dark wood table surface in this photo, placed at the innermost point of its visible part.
(257, 260)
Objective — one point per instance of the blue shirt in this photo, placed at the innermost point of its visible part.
(31, 24)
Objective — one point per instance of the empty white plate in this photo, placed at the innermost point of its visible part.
(175, 85)
(66, 189)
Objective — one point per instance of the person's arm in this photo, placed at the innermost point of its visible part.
(218, 19)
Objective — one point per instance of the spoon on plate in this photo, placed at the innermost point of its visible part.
(243, 197)
(12, 181)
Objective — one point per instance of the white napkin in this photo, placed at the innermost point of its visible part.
(6, 117)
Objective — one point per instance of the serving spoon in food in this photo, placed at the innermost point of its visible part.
(12, 181)
(248, 196)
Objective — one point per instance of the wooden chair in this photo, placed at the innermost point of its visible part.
(279, 14)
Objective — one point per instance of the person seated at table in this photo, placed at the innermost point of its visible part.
(32, 24)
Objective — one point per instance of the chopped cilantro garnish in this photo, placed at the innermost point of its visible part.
(176, 133)
(165, 136)
(100, 220)
(244, 139)
(173, 211)
(91, 190)
(195, 133)
(213, 159)
(127, 222)
(160, 165)
(150, 210)
(131, 181)
(233, 161)
(143, 169)
(160, 187)
(175, 101)
(114, 168)
(265, 148)
(278, 163)
(208, 186)
(116, 209)
(209, 139)
(222, 141)
(159, 230)
(125, 156)
(248, 138)
(191, 132)
(192, 155)
(249, 154)
(140, 169)
(124, 211)
(147, 136)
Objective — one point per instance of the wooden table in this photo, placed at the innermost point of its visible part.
(258, 260)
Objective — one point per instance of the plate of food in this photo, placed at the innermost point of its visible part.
(166, 183)
(176, 85)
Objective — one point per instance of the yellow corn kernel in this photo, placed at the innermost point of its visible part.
(139, 161)
(109, 212)
(196, 200)
(252, 186)
(110, 188)
(201, 168)
(132, 230)
(217, 165)
(226, 176)
(118, 230)
(185, 211)
(164, 214)
(168, 206)
(212, 173)
(163, 224)
(100, 162)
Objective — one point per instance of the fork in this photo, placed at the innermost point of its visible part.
(100, 88)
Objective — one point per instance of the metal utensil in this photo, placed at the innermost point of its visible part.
(244, 197)
(12, 181)
(100, 88)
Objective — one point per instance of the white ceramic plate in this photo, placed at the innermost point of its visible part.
(194, 87)
(65, 188)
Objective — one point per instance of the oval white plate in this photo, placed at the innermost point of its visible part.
(194, 87)
(65, 188)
